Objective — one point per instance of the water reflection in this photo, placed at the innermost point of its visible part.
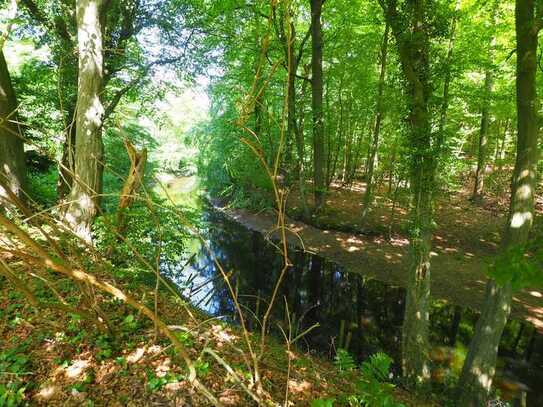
(354, 312)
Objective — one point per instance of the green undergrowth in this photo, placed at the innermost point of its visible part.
(41, 351)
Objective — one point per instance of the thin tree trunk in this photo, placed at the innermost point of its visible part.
(293, 127)
(501, 153)
(12, 158)
(333, 158)
(483, 140)
(355, 162)
(84, 198)
(317, 103)
(485, 118)
(447, 80)
(455, 324)
(378, 118)
(67, 161)
(480, 365)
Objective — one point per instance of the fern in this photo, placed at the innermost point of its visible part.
(373, 386)
(377, 367)
(344, 361)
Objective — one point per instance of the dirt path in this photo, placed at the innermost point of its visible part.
(458, 264)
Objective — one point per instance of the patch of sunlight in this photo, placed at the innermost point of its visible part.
(154, 349)
(399, 242)
(537, 323)
(175, 387)
(433, 254)
(520, 218)
(536, 294)
(47, 392)
(163, 367)
(221, 335)
(136, 355)
(76, 368)
(299, 386)
(229, 397)
(485, 380)
(526, 173)
(352, 249)
(7, 170)
(94, 112)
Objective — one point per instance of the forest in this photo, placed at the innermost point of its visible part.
(271, 203)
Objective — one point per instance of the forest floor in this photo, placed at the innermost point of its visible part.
(56, 359)
(466, 239)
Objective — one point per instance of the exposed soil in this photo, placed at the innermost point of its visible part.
(465, 241)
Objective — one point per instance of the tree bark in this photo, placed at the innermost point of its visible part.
(84, 198)
(409, 27)
(480, 365)
(12, 159)
(377, 128)
(67, 161)
(483, 140)
(317, 103)
(293, 129)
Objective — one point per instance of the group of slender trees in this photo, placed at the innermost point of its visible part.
(358, 112)
(423, 46)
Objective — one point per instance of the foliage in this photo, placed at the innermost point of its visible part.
(149, 232)
(323, 402)
(14, 365)
(518, 267)
(344, 360)
(373, 386)
(42, 187)
(155, 383)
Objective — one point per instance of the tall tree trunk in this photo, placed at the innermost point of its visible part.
(480, 365)
(447, 81)
(378, 118)
(293, 129)
(84, 198)
(317, 103)
(501, 152)
(12, 159)
(485, 117)
(409, 26)
(483, 140)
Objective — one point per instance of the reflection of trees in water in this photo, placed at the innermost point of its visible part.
(318, 291)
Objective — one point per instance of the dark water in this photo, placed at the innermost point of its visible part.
(354, 312)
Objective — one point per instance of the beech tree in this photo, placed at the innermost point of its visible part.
(379, 106)
(485, 113)
(410, 26)
(12, 159)
(84, 198)
(317, 102)
(480, 365)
